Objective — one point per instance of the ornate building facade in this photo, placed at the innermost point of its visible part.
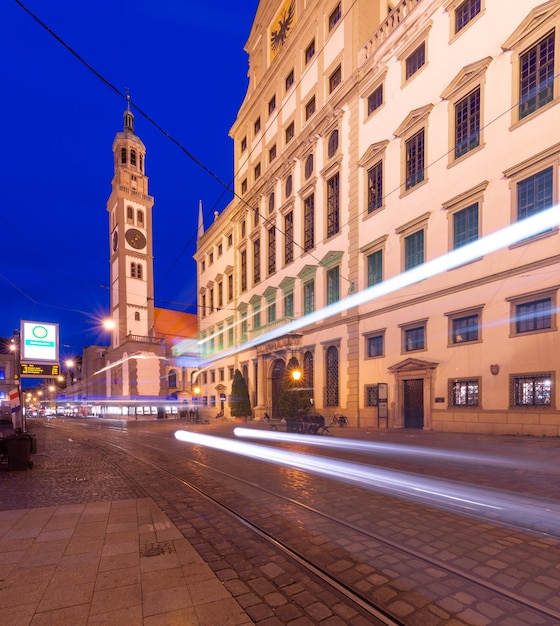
(385, 155)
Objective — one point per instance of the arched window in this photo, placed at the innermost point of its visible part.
(172, 379)
(140, 217)
(133, 270)
(137, 316)
(331, 371)
(141, 160)
(271, 202)
(308, 373)
(123, 155)
(133, 158)
(139, 271)
(308, 166)
(245, 374)
(289, 186)
(129, 214)
(333, 143)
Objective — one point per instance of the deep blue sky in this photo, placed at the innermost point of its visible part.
(184, 64)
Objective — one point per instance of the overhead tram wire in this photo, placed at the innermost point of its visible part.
(200, 163)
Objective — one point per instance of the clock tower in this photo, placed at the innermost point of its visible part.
(130, 237)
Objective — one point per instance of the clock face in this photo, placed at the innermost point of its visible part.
(135, 238)
(115, 240)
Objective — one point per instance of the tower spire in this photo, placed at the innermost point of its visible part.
(200, 231)
(128, 115)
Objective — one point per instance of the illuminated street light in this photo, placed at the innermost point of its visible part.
(296, 377)
(197, 394)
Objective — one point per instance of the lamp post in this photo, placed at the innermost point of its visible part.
(197, 395)
(296, 377)
(18, 414)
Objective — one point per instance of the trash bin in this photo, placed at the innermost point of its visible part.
(18, 448)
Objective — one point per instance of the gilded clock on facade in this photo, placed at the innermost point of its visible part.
(135, 238)
(281, 26)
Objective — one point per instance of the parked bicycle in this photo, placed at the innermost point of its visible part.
(339, 420)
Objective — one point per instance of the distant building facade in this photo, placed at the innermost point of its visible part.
(375, 138)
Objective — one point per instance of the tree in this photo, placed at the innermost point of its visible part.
(240, 405)
(294, 395)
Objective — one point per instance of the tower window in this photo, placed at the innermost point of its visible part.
(137, 316)
(123, 155)
(129, 214)
(141, 162)
(133, 158)
(140, 217)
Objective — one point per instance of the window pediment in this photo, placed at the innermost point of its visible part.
(307, 272)
(331, 259)
(409, 365)
(270, 293)
(287, 283)
(539, 16)
(413, 119)
(373, 153)
(413, 224)
(255, 301)
(467, 75)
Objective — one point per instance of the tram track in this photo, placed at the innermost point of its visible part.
(237, 497)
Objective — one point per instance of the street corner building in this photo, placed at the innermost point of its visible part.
(385, 155)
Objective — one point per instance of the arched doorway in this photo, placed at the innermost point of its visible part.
(277, 374)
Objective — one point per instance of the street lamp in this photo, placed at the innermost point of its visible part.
(197, 394)
(296, 377)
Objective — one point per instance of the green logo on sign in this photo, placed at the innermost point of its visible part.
(40, 332)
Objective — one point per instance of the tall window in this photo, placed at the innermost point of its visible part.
(290, 131)
(123, 155)
(467, 123)
(310, 108)
(230, 333)
(309, 297)
(271, 312)
(244, 326)
(465, 226)
(375, 346)
(331, 374)
(230, 287)
(466, 12)
(256, 261)
(464, 329)
(272, 153)
(243, 264)
(335, 16)
(257, 125)
(534, 194)
(289, 80)
(414, 250)
(335, 79)
(271, 202)
(463, 392)
(533, 390)
(288, 186)
(289, 304)
(333, 206)
(333, 285)
(533, 316)
(271, 250)
(536, 80)
(308, 371)
(416, 60)
(310, 52)
(220, 295)
(256, 316)
(414, 339)
(271, 104)
(415, 159)
(130, 214)
(309, 223)
(375, 187)
(133, 157)
(374, 268)
(375, 99)
(289, 238)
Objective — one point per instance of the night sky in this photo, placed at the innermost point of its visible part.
(184, 65)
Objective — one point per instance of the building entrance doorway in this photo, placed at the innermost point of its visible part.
(413, 392)
(277, 374)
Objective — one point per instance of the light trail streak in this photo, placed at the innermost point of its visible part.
(387, 449)
(510, 235)
(531, 513)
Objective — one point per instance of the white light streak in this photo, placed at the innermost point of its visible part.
(532, 513)
(386, 449)
(518, 231)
